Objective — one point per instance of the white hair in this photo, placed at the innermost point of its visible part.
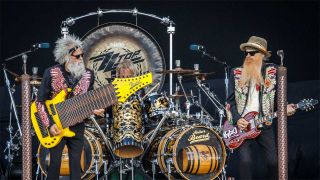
(63, 47)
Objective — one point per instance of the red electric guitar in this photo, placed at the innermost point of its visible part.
(234, 137)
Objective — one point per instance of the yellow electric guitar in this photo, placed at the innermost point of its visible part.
(69, 112)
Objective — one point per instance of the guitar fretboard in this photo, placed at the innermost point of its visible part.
(266, 118)
(74, 110)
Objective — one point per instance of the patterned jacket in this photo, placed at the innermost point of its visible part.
(238, 96)
(56, 79)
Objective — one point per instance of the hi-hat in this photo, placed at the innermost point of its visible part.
(177, 71)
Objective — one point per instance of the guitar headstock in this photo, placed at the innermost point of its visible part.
(125, 87)
(307, 104)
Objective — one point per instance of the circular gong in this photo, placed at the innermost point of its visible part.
(109, 44)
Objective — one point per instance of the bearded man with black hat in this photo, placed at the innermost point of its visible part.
(69, 73)
(253, 88)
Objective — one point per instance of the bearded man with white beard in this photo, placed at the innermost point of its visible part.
(69, 73)
(253, 88)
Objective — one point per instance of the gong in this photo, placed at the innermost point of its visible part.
(107, 45)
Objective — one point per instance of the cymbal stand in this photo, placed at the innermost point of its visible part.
(214, 99)
(188, 104)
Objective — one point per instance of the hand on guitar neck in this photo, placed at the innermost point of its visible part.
(54, 130)
(242, 123)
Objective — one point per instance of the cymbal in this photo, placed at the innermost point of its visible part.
(176, 96)
(35, 82)
(201, 76)
(177, 71)
(196, 74)
(32, 78)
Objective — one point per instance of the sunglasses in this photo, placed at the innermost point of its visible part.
(77, 56)
(252, 53)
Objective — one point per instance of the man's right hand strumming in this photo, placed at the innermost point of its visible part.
(242, 124)
(54, 130)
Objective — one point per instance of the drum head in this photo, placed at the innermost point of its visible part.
(108, 44)
(199, 136)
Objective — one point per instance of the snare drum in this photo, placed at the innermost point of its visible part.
(193, 152)
(92, 149)
(127, 129)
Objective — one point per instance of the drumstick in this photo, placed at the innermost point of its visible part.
(150, 90)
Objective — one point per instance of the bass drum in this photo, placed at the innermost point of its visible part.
(92, 150)
(190, 152)
(109, 44)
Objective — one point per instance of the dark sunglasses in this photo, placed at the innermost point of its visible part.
(252, 53)
(77, 56)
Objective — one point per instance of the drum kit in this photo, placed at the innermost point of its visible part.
(151, 131)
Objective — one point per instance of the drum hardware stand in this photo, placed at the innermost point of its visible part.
(154, 161)
(169, 161)
(11, 146)
(121, 171)
(96, 156)
(170, 30)
(13, 104)
(214, 100)
(205, 111)
(105, 170)
(184, 93)
(132, 169)
(107, 142)
(165, 115)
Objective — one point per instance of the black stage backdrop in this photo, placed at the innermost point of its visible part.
(220, 26)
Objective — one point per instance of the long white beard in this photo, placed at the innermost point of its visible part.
(76, 69)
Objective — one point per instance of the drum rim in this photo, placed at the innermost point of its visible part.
(161, 149)
(174, 151)
(143, 31)
(92, 157)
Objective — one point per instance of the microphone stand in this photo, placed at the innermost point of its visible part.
(13, 104)
(226, 70)
(26, 126)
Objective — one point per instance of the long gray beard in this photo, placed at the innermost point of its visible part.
(76, 69)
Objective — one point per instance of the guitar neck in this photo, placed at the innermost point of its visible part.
(74, 110)
(271, 116)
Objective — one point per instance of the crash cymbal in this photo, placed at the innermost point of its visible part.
(177, 71)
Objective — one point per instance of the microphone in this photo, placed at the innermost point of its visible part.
(197, 47)
(281, 54)
(41, 45)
